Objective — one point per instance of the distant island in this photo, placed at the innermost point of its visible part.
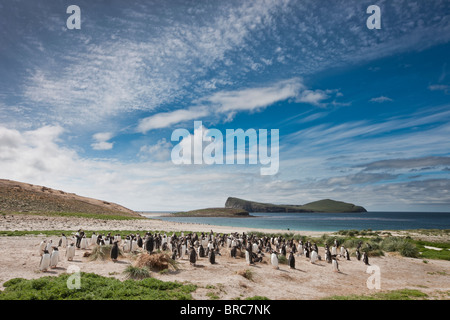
(213, 212)
(326, 205)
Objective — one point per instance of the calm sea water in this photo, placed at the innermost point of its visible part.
(331, 221)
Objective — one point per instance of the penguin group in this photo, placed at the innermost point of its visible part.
(195, 246)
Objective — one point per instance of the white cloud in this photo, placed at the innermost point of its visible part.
(167, 119)
(159, 151)
(380, 99)
(102, 143)
(439, 87)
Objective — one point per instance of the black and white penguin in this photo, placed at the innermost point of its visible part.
(44, 264)
(140, 243)
(192, 256)
(115, 251)
(314, 256)
(201, 251)
(212, 257)
(335, 265)
(174, 254)
(347, 254)
(274, 260)
(233, 252)
(54, 258)
(291, 260)
(366, 258)
(149, 243)
(70, 251)
(358, 255)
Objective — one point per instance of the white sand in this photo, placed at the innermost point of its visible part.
(20, 258)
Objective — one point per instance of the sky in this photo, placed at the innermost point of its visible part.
(363, 114)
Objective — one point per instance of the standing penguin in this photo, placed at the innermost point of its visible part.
(201, 251)
(212, 257)
(335, 265)
(358, 255)
(274, 260)
(54, 258)
(183, 250)
(115, 251)
(70, 252)
(192, 256)
(248, 254)
(42, 247)
(347, 254)
(149, 244)
(328, 255)
(314, 256)
(83, 243)
(63, 241)
(291, 260)
(233, 252)
(45, 261)
(366, 258)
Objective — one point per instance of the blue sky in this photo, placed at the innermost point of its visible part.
(363, 114)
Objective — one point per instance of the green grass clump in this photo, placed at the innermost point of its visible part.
(95, 287)
(403, 294)
(137, 273)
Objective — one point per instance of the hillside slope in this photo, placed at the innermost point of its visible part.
(23, 197)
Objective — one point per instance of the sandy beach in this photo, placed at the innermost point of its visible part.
(20, 258)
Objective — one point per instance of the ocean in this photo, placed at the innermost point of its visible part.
(330, 221)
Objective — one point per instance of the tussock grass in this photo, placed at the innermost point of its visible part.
(137, 273)
(157, 261)
(246, 273)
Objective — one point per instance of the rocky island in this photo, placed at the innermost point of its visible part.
(324, 206)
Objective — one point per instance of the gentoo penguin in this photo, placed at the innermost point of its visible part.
(314, 256)
(248, 254)
(328, 255)
(115, 251)
(347, 254)
(192, 256)
(54, 258)
(233, 252)
(93, 239)
(183, 250)
(83, 243)
(174, 254)
(291, 260)
(201, 251)
(334, 250)
(358, 255)
(134, 245)
(274, 260)
(63, 241)
(45, 261)
(139, 241)
(49, 247)
(212, 257)
(42, 247)
(366, 258)
(342, 251)
(335, 265)
(149, 243)
(306, 252)
(70, 251)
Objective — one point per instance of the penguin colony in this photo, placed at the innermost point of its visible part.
(193, 246)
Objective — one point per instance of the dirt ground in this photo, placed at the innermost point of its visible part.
(20, 258)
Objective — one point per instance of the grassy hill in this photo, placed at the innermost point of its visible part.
(19, 197)
(326, 205)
